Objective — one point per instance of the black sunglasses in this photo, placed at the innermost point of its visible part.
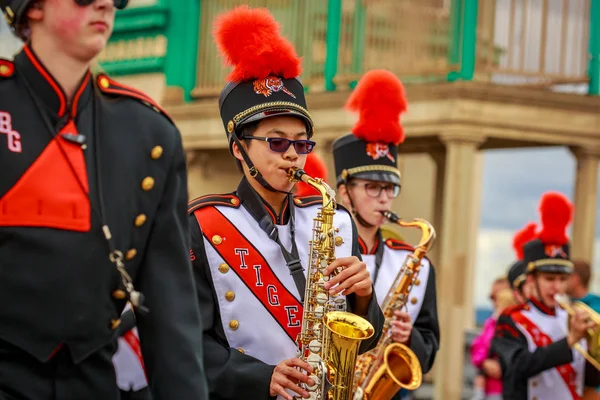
(281, 145)
(119, 4)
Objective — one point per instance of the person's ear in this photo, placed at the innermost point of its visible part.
(35, 11)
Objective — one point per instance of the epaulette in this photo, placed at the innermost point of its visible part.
(111, 87)
(395, 244)
(228, 200)
(7, 68)
(306, 201)
(514, 308)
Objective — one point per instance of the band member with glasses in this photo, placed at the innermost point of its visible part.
(93, 195)
(368, 181)
(250, 247)
(535, 342)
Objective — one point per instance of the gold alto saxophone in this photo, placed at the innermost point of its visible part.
(389, 367)
(330, 336)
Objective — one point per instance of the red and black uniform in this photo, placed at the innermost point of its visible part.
(110, 157)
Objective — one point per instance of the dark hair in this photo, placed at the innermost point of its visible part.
(584, 271)
(247, 130)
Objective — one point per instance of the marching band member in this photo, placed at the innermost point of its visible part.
(368, 181)
(93, 194)
(249, 247)
(516, 273)
(534, 341)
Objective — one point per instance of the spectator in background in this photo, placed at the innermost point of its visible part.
(578, 290)
(487, 384)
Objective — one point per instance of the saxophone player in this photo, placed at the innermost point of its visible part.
(536, 341)
(368, 181)
(249, 247)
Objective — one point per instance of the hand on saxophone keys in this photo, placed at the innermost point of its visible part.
(401, 327)
(579, 325)
(287, 375)
(353, 278)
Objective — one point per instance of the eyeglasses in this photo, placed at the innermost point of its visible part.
(119, 4)
(281, 145)
(374, 189)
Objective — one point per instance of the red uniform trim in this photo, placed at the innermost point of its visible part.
(124, 90)
(395, 244)
(48, 194)
(214, 223)
(566, 371)
(306, 201)
(49, 78)
(134, 343)
(9, 66)
(84, 84)
(228, 200)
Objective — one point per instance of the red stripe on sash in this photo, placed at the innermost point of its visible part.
(243, 257)
(134, 343)
(566, 371)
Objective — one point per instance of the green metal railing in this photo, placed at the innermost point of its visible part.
(338, 40)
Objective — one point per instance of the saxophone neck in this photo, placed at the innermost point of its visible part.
(328, 194)
(428, 234)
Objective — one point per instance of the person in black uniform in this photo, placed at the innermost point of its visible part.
(93, 196)
(249, 247)
(517, 276)
(535, 341)
(368, 181)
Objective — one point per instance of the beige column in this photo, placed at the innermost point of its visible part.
(455, 267)
(439, 157)
(586, 197)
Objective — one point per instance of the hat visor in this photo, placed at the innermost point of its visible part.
(279, 113)
(379, 176)
(553, 268)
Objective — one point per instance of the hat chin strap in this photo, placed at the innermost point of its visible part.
(254, 172)
(358, 217)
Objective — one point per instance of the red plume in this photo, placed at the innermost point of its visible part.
(523, 236)
(379, 98)
(316, 168)
(249, 39)
(556, 212)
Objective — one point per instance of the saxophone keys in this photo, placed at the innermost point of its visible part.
(317, 329)
(314, 346)
(315, 385)
(319, 312)
(322, 298)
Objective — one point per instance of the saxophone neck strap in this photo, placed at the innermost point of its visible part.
(256, 207)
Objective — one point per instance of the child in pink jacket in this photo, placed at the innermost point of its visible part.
(487, 388)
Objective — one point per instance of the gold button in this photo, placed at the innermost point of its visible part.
(140, 220)
(114, 323)
(223, 268)
(156, 152)
(534, 383)
(104, 82)
(130, 254)
(235, 201)
(297, 201)
(234, 324)
(414, 300)
(147, 183)
(217, 239)
(338, 241)
(240, 350)
(119, 294)
(230, 126)
(4, 70)
(417, 282)
(229, 296)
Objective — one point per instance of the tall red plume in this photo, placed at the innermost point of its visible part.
(523, 236)
(556, 212)
(379, 98)
(316, 168)
(250, 41)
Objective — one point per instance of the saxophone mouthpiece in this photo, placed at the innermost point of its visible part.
(391, 216)
(296, 174)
